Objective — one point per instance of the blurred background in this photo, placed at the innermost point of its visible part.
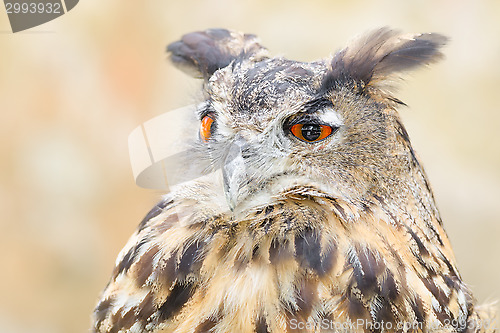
(72, 90)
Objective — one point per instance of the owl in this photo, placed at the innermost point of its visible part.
(312, 212)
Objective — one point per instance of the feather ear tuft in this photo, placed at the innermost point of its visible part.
(201, 53)
(381, 54)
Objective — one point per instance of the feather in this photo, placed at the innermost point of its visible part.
(377, 56)
(201, 53)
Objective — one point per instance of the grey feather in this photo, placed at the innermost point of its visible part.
(382, 53)
(201, 53)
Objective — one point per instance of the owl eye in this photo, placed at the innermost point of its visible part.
(311, 132)
(206, 127)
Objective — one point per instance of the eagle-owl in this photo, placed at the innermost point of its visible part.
(313, 212)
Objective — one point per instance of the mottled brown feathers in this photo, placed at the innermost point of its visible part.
(312, 270)
(340, 234)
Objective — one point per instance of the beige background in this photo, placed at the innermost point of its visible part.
(71, 91)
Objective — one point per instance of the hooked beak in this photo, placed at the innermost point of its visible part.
(234, 172)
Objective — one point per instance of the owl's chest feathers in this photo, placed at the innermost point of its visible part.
(306, 260)
(301, 262)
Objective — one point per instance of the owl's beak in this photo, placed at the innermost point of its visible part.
(234, 172)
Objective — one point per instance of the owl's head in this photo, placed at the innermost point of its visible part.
(277, 127)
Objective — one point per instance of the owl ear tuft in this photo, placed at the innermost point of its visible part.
(378, 56)
(201, 53)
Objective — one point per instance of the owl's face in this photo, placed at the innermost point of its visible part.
(276, 126)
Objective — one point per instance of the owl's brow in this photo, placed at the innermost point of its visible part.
(204, 108)
(317, 104)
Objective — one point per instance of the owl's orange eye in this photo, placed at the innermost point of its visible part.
(311, 132)
(206, 127)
